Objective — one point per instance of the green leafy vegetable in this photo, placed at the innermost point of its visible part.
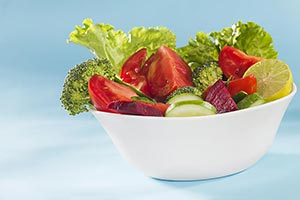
(151, 38)
(199, 51)
(75, 97)
(248, 37)
(106, 42)
(226, 37)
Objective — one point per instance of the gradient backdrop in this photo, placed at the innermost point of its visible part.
(46, 154)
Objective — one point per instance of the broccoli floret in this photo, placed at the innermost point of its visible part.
(206, 75)
(184, 90)
(75, 97)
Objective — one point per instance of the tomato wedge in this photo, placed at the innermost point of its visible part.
(234, 62)
(166, 72)
(130, 72)
(103, 91)
(145, 68)
(132, 66)
(247, 84)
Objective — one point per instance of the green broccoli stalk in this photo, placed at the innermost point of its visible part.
(75, 97)
(206, 75)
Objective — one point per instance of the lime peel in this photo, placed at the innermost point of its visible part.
(274, 78)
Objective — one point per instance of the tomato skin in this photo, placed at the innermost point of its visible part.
(132, 66)
(234, 62)
(166, 72)
(247, 84)
(130, 72)
(103, 91)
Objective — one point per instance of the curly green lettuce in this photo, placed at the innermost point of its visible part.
(248, 37)
(199, 50)
(151, 38)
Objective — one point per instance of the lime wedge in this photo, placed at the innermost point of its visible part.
(274, 78)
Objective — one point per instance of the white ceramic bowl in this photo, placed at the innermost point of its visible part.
(193, 148)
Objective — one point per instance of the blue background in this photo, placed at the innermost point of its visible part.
(46, 154)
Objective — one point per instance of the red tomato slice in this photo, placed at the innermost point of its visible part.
(247, 84)
(167, 72)
(132, 66)
(130, 72)
(234, 62)
(103, 91)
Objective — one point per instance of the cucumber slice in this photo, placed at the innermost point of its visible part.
(184, 91)
(239, 96)
(183, 97)
(190, 108)
(251, 101)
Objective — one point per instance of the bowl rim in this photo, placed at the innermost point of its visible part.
(290, 95)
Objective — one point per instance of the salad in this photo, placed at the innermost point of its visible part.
(145, 73)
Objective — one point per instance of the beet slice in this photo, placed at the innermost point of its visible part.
(219, 96)
(134, 108)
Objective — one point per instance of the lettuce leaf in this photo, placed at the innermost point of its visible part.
(225, 37)
(102, 40)
(199, 50)
(248, 37)
(151, 38)
(115, 45)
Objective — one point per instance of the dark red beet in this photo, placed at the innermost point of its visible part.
(134, 108)
(219, 96)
